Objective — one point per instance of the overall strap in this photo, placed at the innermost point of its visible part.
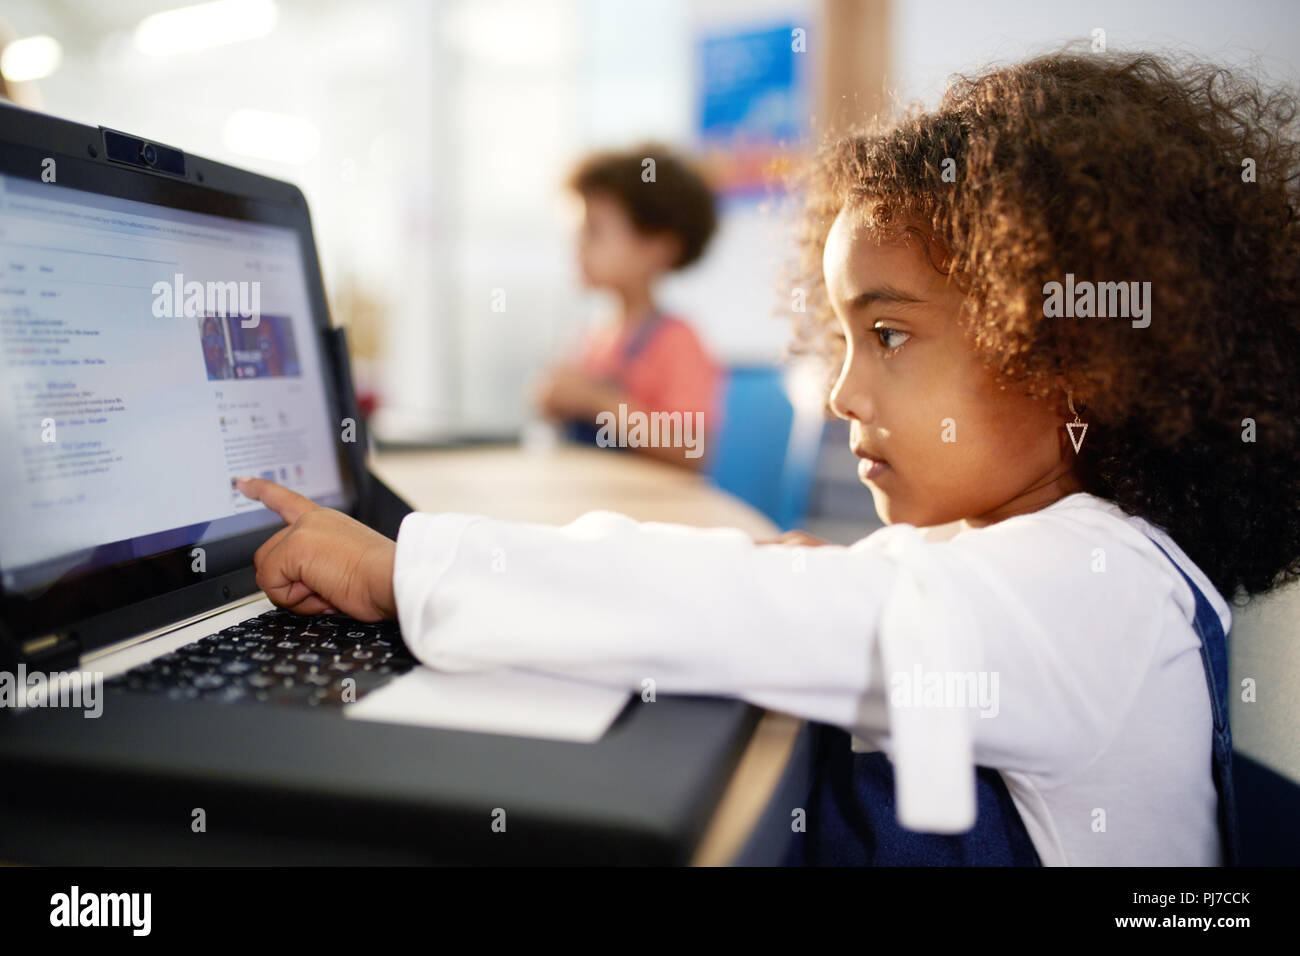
(1214, 655)
(852, 819)
(641, 337)
(584, 432)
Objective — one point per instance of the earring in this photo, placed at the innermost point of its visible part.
(1076, 428)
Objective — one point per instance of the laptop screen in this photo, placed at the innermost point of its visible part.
(148, 355)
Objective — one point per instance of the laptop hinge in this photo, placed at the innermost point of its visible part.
(336, 340)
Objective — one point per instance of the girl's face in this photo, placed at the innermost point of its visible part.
(954, 444)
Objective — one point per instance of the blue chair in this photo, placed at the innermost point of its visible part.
(766, 454)
(807, 432)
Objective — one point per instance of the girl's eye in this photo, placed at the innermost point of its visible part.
(889, 338)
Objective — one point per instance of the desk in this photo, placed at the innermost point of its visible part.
(556, 486)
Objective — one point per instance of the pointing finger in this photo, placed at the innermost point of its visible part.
(289, 505)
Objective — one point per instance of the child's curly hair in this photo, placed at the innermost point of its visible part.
(677, 201)
(1116, 167)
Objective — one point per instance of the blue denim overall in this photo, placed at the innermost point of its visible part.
(584, 432)
(852, 819)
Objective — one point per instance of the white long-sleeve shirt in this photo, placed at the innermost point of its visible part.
(1070, 621)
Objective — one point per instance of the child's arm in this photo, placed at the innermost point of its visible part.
(853, 637)
(569, 393)
(1050, 654)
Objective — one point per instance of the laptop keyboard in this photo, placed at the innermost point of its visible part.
(279, 657)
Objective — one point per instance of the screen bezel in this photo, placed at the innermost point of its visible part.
(26, 140)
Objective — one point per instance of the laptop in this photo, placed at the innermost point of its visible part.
(164, 329)
(162, 336)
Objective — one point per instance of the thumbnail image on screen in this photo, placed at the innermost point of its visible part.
(267, 350)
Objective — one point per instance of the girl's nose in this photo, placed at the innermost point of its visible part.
(850, 398)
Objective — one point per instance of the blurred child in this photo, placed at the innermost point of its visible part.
(645, 213)
(1029, 664)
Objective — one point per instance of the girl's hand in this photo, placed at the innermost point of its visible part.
(799, 538)
(324, 561)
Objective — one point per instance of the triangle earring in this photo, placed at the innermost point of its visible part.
(1076, 428)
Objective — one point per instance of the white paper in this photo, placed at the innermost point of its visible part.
(508, 701)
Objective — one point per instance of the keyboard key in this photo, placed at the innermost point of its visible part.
(278, 656)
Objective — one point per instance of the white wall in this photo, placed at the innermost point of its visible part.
(535, 84)
(365, 75)
(932, 39)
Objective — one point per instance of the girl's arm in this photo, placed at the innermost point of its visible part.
(620, 602)
(1013, 646)
(611, 599)
(930, 650)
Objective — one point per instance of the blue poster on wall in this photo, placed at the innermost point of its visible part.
(752, 103)
(750, 86)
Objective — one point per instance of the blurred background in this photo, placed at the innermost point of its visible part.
(432, 138)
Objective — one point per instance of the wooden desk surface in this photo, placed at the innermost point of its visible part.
(554, 487)
(557, 486)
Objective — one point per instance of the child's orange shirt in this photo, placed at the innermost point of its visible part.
(662, 365)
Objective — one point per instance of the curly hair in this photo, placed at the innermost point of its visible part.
(677, 201)
(1113, 167)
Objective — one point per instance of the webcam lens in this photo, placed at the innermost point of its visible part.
(149, 154)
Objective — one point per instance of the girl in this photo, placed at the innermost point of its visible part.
(1028, 665)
